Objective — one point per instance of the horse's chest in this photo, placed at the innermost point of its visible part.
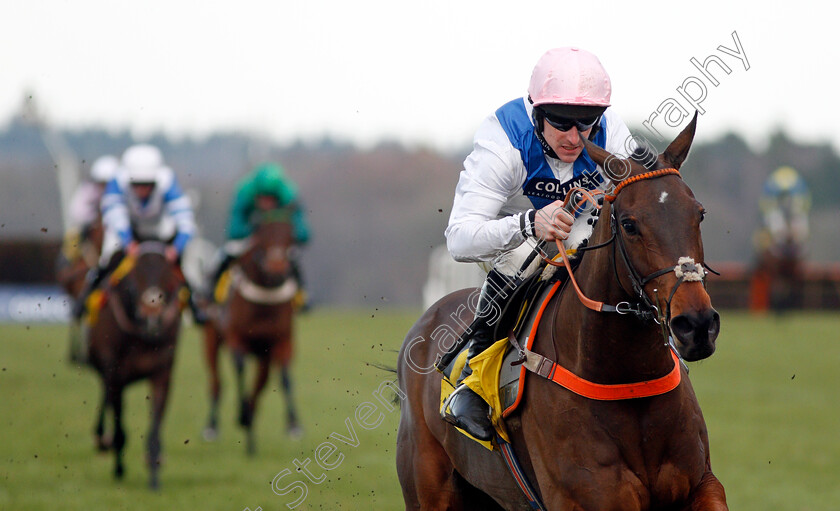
(619, 466)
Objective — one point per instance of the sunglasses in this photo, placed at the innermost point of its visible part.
(565, 123)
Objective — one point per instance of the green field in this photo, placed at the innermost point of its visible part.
(769, 395)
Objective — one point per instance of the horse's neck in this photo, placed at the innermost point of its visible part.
(606, 347)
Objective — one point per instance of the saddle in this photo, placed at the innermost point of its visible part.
(98, 298)
(497, 371)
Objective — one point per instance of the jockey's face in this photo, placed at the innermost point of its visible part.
(267, 202)
(567, 144)
(142, 190)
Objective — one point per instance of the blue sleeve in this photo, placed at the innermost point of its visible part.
(179, 207)
(180, 241)
(115, 211)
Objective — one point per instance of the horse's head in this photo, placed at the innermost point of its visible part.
(268, 260)
(656, 222)
(149, 293)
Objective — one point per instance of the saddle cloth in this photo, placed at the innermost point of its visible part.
(494, 376)
(290, 290)
(97, 298)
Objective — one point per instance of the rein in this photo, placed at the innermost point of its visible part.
(168, 315)
(686, 270)
(597, 306)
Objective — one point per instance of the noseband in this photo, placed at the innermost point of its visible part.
(128, 323)
(686, 269)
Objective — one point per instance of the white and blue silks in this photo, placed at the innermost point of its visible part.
(507, 174)
(166, 215)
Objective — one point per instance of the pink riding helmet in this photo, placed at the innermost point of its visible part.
(570, 76)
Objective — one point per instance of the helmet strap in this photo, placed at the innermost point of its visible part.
(539, 119)
(595, 129)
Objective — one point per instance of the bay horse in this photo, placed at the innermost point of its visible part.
(78, 255)
(134, 338)
(256, 319)
(85, 249)
(580, 453)
(778, 277)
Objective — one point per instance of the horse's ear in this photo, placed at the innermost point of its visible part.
(614, 167)
(677, 151)
(617, 169)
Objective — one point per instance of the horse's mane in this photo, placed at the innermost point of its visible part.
(640, 153)
(645, 155)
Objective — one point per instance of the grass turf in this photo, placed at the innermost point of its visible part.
(768, 395)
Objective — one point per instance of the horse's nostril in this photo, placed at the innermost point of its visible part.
(714, 325)
(682, 326)
(703, 325)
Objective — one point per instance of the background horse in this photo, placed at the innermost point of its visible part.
(79, 253)
(256, 319)
(779, 275)
(647, 453)
(134, 338)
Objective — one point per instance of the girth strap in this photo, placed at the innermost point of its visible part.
(518, 474)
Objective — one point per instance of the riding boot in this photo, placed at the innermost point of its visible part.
(466, 409)
(198, 313)
(92, 279)
(223, 265)
(301, 299)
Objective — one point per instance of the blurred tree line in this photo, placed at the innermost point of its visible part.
(376, 213)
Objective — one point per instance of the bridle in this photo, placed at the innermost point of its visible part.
(173, 300)
(686, 269)
(247, 280)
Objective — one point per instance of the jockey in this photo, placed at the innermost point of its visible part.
(784, 204)
(142, 202)
(264, 189)
(84, 206)
(526, 156)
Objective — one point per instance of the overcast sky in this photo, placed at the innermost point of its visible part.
(417, 72)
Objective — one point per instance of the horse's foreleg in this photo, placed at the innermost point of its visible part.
(239, 366)
(160, 393)
(116, 397)
(709, 495)
(74, 335)
(292, 424)
(259, 384)
(99, 431)
(281, 356)
(212, 342)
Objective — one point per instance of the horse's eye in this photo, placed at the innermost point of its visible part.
(702, 214)
(629, 227)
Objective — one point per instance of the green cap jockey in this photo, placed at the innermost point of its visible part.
(266, 180)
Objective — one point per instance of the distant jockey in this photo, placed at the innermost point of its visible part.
(143, 202)
(84, 206)
(264, 189)
(84, 212)
(784, 204)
